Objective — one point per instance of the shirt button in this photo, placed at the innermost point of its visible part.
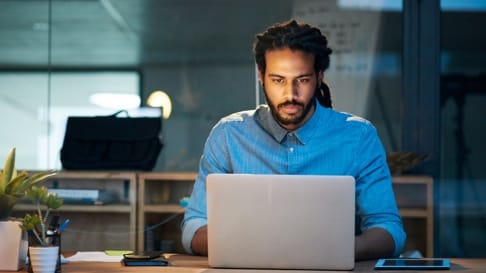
(291, 149)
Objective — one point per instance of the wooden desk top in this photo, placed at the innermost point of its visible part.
(194, 264)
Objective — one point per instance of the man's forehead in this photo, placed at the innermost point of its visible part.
(289, 61)
(284, 75)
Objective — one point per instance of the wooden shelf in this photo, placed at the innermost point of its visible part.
(414, 213)
(141, 199)
(162, 208)
(148, 208)
(159, 195)
(414, 195)
(96, 227)
(83, 208)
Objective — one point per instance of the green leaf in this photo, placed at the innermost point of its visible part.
(35, 179)
(53, 202)
(8, 170)
(37, 194)
(30, 222)
(14, 186)
(42, 196)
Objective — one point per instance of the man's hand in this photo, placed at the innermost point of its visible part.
(373, 244)
(199, 242)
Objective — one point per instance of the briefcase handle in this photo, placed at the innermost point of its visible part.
(119, 112)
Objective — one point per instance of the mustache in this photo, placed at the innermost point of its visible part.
(290, 102)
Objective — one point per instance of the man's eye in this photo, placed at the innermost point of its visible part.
(279, 81)
(304, 80)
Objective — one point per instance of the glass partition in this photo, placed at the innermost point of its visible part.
(463, 90)
(24, 79)
(217, 76)
(200, 54)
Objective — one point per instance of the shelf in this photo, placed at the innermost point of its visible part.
(163, 208)
(92, 175)
(82, 208)
(168, 176)
(158, 194)
(148, 207)
(414, 196)
(96, 227)
(414, 213)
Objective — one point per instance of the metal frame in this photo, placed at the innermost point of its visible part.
(421, 87)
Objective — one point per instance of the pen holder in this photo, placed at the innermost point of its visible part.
(53, 240)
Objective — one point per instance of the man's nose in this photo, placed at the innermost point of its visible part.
(291, 91)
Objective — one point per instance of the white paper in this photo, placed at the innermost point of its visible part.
(93, 256)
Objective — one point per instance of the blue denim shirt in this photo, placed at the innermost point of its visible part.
(330, 143)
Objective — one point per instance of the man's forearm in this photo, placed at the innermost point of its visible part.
(199, 242)
(371, 244)
(374, 243)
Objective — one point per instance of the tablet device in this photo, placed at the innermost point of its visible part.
(413, 264)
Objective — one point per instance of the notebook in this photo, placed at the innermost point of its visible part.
(281, 221)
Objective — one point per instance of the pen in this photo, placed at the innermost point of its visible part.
(64, 225)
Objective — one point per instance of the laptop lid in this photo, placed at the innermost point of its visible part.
(281, 221)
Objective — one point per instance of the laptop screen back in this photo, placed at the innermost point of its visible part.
(281, 221)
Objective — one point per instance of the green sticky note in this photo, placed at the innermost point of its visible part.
(117, 252)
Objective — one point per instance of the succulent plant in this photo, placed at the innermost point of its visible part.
(37, 222)
(13, 184)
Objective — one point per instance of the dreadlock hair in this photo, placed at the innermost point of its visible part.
(296, 36)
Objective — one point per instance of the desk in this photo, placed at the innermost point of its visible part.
(193, 264)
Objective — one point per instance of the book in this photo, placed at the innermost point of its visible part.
(83, 196)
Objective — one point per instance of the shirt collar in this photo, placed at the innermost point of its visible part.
(265, 119)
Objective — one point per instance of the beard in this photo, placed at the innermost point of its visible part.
(292, 119)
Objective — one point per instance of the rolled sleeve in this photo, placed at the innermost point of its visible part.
(188, 230)
(195, 214)
(398, 234)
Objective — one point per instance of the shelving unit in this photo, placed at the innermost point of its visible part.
(111, 225)
(159, 211)
(145, 211)
(414, 196)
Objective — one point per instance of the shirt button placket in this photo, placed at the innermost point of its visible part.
(291, 152)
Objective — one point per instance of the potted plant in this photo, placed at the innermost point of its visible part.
(13, 186)
(44, 251)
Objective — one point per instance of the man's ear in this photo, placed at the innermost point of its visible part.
(320, 77)
(261, 76)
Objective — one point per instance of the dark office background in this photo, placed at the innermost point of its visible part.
(415, 69)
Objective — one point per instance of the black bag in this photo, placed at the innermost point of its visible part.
(111, 143)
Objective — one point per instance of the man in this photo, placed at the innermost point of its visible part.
(299, 133)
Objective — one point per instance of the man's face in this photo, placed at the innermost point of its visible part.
(289, 85)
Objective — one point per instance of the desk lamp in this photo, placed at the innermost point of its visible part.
(160, 99)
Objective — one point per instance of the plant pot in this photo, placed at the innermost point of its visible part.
(6, 205)
(43, 259)
(13, 246)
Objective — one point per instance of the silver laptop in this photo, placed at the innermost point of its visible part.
(281, 221)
